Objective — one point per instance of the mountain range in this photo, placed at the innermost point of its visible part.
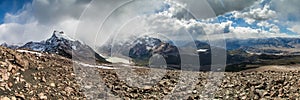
(59, 43)
(140, 51)
(240, 52)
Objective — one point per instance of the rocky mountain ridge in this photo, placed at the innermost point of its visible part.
(59, 43)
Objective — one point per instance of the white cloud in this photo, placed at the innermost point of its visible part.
(246, 32)
(12, 32)
(37, 21)
(204, 30)
(295, 28)
(257, 13)
(249, 20)
(275, 29)
(264, 24)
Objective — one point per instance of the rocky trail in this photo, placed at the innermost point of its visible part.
(34, 76)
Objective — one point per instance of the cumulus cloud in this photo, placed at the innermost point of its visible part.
(295, 28)
(12, 32)
(249, 20)
(208, 8)
(176, 22)
(37, 20)
(201, 30)
(264, 13)
(176, 29)
(275, 29)
(41, 17)
(264, 24)
(98, 21)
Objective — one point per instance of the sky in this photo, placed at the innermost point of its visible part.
(97, 21)
(10, 6)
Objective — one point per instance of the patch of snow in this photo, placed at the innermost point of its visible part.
(148, 48)
(61, 35)
(279, 54)
(38, 49)
(202, 50)
(74, 48)
(26, 51)
(102, 55)
(253, 53)
(94, 66)
(118, 60)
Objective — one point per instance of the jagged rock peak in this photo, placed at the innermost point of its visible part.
(61, 35)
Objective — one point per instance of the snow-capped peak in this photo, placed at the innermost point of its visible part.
(61, 35)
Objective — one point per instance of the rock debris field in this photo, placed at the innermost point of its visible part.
(36, 76)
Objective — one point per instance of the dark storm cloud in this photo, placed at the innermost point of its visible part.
(54, 11)
(223, 6)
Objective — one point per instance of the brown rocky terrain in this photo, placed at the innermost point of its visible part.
(234, 85)
(27, 75)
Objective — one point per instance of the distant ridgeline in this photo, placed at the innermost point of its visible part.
(240, 53)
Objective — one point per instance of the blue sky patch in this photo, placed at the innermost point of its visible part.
(11, 6)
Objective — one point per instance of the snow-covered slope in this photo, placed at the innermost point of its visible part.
(32, 52)
(61, 35)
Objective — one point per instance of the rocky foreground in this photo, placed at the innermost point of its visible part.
(237, 85)
(28, 75)
(32, 75)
